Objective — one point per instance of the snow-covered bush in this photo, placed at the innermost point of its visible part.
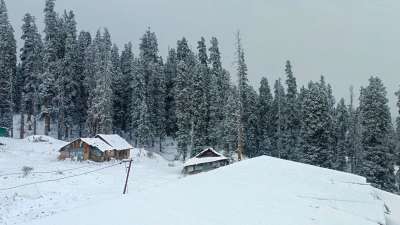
(26, 170)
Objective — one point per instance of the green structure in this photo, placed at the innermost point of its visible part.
(3, 132)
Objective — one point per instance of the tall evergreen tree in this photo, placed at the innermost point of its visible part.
(154, 85)
(68, 79)
(7, 68)
(377, 167)
(278, 122)
(201, 100)
(170, 70)
(84, 41)
(219, 91)
(50, 59)
(230, 123)
(242, 89)
(100, 107)
(341, 132)
(183, 97)
(264, 106)
(316, 123)
(31, 69)
(292, 125)
(127, 70)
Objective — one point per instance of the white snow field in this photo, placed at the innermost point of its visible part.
(28, 203)
(259, 191)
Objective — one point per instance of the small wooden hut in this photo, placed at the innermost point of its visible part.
(96, 149)
(206, 160)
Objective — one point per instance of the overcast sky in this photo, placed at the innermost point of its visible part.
(345, 40)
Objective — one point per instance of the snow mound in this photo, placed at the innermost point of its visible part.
(262, 190)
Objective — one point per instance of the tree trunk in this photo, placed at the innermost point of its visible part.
(22, 127)
(47, 124)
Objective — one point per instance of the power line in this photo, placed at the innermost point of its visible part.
(44, 172)
(61, 178)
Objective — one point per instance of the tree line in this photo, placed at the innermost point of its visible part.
(80, 85)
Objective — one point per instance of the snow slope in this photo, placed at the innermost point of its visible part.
(258, 191)
(25, 204)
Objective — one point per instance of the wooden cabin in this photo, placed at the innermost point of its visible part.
(96, 149)
(206, 160)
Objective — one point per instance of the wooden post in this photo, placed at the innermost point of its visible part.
(127, 176)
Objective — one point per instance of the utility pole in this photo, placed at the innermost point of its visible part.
(127, 175)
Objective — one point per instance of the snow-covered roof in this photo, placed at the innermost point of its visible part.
(98, 143)
(116, 141)
(198, 159)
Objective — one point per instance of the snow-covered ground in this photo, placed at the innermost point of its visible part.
(25, 204)
(263, 190)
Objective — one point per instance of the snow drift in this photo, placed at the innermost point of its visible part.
(262, 190)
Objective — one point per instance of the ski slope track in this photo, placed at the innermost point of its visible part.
(258, 191)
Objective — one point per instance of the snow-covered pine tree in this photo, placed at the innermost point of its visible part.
(127, 70)
(251, 133)
(170, 70)
(183, 97)
(292, 108)
(84, 41)
(100, 107)
(68, 79)
(118, 98)
(230, 122)
(376, 165)
(278, 121)
(201, 101)
(341, 132)
(397, 137)
(316, 123)
(7, 68)
(31, 69)
(50, 58)
(218, 91)
(264, 106)
(353, 139)
(154, 85)
(242, 90)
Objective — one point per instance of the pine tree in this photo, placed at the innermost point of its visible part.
(154, 85)
(183, 97)
(201, 100)
(376, 166)
(219, 89)
(7, 68)
(170, 69)
(100, 106)
(292, 126)
(68, 80)
(230, 122)
(316, 125)
(242, 89)
(50, 58)
(264, 106)
(127, 70)
(118, 83)
(84, 41)
(278, 121)
(341, 132)
(31, 69)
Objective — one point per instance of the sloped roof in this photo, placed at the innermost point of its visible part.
(198, 159)
(116, 141)
(98, 143)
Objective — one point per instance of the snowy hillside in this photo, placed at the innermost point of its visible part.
(24, 204)
(263, 190)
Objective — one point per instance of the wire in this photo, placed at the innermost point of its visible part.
(61, 178)
(44, 172)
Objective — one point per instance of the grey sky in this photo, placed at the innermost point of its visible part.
(345, 40)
